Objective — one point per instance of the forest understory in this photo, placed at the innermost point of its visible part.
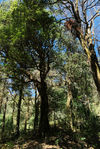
(57, 139)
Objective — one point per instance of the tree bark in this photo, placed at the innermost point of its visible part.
(26, 117)
(1, 101)
(93, 62)
(69, 104)
(18, 113)
(95, 67)
(13, 110)
(44, 122)
(4, 115)
(1, 98)
(36, 119)
(69, 94)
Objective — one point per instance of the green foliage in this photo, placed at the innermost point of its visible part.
(57, 98)
(32, 45)
(79, 73)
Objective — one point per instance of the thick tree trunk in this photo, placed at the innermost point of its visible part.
(4, 116)
(36, 119)
(91, 54)
(95, 67)
(18, 113)
(44, 122)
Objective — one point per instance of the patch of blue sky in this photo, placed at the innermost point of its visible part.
(2, 0)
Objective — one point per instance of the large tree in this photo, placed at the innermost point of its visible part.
(82, 17)
(27, 45)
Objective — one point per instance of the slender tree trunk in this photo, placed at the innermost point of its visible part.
(44, 122)
(1, 101)
(25, 126)
(54, 119)
(36, 119)
(13, 110)
(69, 103)
(4, 115)
(26, 117)
(69, 94)
(18, 113)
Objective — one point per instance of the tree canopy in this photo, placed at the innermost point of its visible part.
(49, 74)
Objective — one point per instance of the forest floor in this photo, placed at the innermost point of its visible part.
(58, 140)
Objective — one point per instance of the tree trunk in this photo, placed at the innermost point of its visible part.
(95, 68)
(69, 106)
(4, 116)
(69, 94)
(18, 113)
(26, 117)
(1, 98)
(44, 122)
(13, 110)
(54, 115)
(36, 119)
(1, 101)
(93, 62)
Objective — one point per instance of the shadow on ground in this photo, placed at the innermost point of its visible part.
(59, 139)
